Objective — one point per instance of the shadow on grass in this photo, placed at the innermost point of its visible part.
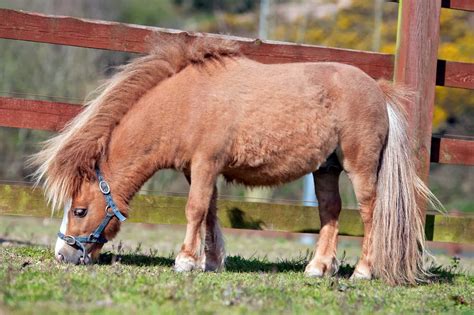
(253, 264)
(135, 260)
(16, 242)
(238, 264)
(233, 263)
(445, 274)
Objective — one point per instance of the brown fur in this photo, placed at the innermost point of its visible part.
(255, 124)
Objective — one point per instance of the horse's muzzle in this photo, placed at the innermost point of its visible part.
(73, 256)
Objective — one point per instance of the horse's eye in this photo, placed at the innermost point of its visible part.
(80, 212)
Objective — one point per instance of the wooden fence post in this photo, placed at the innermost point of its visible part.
(415, 67)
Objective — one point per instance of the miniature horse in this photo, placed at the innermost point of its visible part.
(200, 107)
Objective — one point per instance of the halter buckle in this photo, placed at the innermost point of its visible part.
(69, 239)
(104, 187)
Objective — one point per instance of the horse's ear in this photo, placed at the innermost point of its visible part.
(94, 157)
(101, 148)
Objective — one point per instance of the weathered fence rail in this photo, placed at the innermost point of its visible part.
(64, 30)
(26, 201)
(52, 116)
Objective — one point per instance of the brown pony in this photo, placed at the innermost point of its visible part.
(200, 107)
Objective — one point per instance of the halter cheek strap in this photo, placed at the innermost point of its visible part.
(105, 189)
(96, 236)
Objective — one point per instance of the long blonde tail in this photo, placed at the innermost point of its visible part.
(398, 236)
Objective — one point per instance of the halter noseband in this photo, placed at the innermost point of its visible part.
(96, 236)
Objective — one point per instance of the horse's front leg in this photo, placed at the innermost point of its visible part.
(201, 198)
(214, 249)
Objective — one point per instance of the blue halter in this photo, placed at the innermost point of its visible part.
(96, 236)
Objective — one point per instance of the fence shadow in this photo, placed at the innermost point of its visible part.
(239, 220)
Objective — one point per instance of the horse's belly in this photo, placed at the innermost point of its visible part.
(270, 161)
(265, 176)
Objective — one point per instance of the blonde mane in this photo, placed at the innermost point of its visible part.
(70, 157)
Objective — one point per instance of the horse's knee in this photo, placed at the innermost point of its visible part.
(195, 211)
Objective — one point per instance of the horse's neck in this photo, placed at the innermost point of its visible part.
(128, 172)
(135, 153)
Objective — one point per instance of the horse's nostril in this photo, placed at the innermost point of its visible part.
(59, 257)
(85, 260)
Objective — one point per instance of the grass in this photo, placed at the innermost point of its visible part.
(135, 277)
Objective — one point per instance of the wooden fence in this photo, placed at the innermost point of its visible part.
(416, 65)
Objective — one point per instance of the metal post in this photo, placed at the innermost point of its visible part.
(309, 197)
(378, 16)
(263, 20)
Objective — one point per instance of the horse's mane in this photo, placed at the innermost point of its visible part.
(70, 157)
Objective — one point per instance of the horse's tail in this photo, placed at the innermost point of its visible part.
(398, 227)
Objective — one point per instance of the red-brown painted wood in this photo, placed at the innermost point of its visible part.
(466, 5)
(33, 114)
(452, 151)
(132, 38)
(415, 66)
(456, 74)
(52, 116)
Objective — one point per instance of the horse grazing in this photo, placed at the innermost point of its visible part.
(200, 107)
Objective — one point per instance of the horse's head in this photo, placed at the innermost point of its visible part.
(91, 218)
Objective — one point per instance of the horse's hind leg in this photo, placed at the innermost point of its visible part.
(214, 251)
(203, 247)
(362, 169)
(326, 181)
(364, 185)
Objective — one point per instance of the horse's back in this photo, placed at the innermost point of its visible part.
(266, 124)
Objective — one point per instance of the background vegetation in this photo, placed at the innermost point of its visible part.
(68, 74)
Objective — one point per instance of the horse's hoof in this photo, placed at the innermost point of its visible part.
(320, 269)
(362, 271)
(313, 272)
(357, 275)
(184, 263)
(213, 265)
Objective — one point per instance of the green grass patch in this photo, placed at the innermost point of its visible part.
(31, 282)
